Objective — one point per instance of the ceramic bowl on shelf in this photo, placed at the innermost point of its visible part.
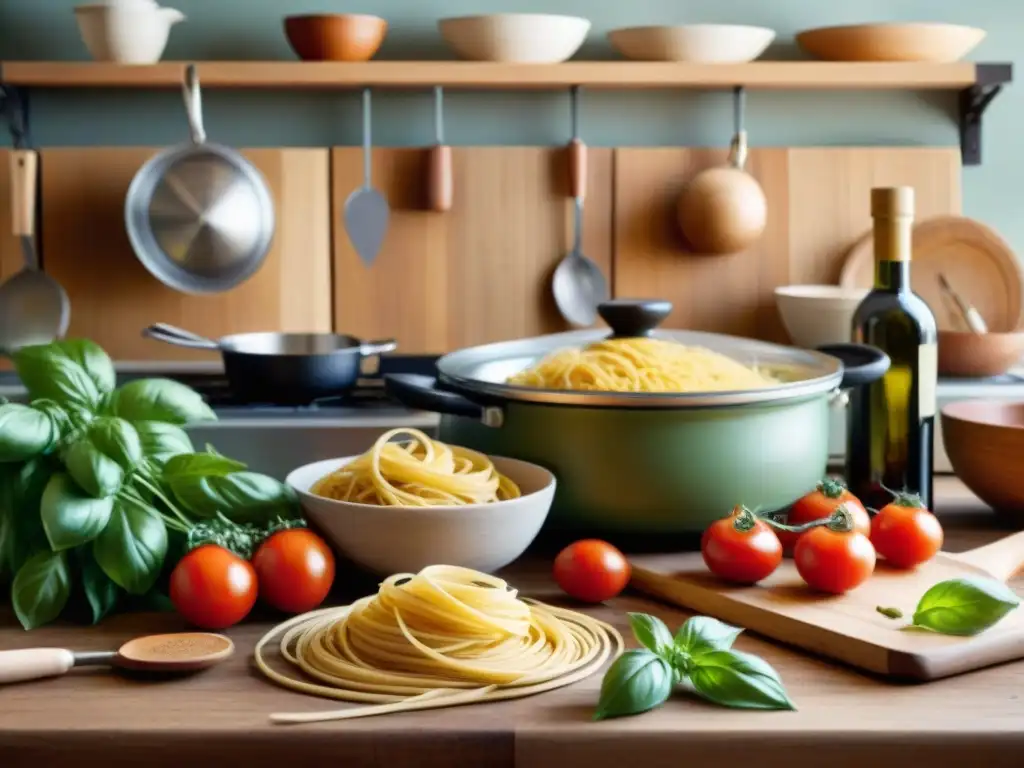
(815, 315)
(985, 443)
(387, 540)
(519, 38)
(126, 31)
(695, 43)
(972, 355)
(335, 37)
(923, 42)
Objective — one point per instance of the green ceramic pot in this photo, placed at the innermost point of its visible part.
(651, 464)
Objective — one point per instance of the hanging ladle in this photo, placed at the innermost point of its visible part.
(439, 170)
(724, 210)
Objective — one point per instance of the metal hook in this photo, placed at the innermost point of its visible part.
(574, 107)
(15, 113)
(439, 114)
(738, 149)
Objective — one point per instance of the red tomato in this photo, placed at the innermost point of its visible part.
(819, 504)
(735, 554)
(591, 570)
(905, 533)
(213, 588)
(295, 570)
(834, 561)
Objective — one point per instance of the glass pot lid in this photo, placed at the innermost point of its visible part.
(484, 370)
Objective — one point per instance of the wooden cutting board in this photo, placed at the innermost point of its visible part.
(847, 627)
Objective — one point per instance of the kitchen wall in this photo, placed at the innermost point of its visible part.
(250, 29)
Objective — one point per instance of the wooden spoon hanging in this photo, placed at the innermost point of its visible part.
(440, 191)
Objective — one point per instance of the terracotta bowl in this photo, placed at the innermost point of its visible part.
(930, 42)
(335, 37)
(972, 355)
(985, 443)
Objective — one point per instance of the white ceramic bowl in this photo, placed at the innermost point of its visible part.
(388, 540)
(521, 38)
(128, 32)
(818, 314)
(696, 43)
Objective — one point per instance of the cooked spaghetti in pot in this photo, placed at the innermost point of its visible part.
(641, 365)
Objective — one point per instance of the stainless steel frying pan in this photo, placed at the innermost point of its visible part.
(200, 216)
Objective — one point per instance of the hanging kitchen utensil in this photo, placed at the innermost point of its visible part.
(578, 284)
(366, 210)
(169, 654)
(439, 163)
(200, 216)
(282, 368)
(724, 210)
(34, 308)
(964, 311)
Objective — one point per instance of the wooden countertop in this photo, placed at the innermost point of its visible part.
(844, 718)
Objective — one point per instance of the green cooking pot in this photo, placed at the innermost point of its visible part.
(648, 463)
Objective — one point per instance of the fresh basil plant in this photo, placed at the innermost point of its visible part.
(700, 655)
(97, 484)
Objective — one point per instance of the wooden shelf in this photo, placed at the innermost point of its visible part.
(787, 75)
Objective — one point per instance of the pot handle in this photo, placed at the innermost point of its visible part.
(179, 337)
(862, 364)
(422, 393)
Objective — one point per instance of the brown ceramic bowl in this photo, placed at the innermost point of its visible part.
(973, 355)
(335, 37)
(985, 443)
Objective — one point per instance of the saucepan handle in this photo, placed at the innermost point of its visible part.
(34, 663)
(862, 364)
(170, 334)
(368, 348)
(422, 394)
(194, 105)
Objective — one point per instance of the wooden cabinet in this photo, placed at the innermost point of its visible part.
(113, 297)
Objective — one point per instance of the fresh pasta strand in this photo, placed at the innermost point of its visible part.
(418, 473)
(443, 637)
(641, 365)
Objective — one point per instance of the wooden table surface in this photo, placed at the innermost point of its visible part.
(844, 718)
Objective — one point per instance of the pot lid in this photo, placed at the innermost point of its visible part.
(485, 370)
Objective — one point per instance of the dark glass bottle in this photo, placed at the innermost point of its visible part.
(890, 441)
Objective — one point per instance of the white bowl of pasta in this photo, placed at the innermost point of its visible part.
(407, 504)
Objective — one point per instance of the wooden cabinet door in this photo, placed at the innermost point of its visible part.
(113, 297)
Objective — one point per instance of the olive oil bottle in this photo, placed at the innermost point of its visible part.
(891, 432)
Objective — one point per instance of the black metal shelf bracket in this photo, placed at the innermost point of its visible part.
(974, 101)
(14, 112)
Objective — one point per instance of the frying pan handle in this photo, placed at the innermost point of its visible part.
(862, 364)
(194, 104)
(368, 348)
(421, 393)
(169, 334)
(34, 663)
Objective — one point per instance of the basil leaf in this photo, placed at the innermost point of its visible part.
(25, 432)
(118, 439)
(59, 415)
(638, 681)
(701, 634)
(95, 473)
(92, 359)
(160, 400)
(738, 680)
(243, 497)
(41, 589)
(47, 373)
(25, 498)
(160, 441)
(132, 548)
(200, 465)
(965, 606)
(71, 518)
(101, 593)
(651, 633)
(7, 535)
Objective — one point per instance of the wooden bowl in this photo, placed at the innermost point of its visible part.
(335, 37)
(935, 43)
(973, 355)
(985, 443)
(520, 38)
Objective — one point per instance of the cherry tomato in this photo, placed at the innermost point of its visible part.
(819, 504)
(834, 561)
(741, 548)
(213, 587)
(591, 570)
(295, 569)
(905, 533)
